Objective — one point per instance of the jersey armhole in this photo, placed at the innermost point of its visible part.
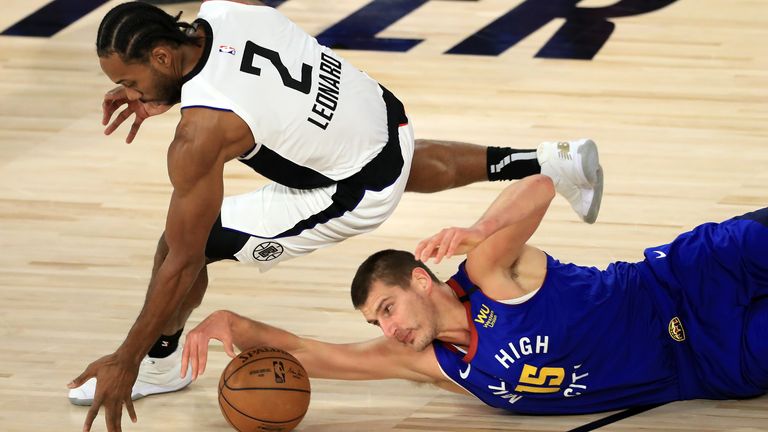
(521, 299)
(445, 374)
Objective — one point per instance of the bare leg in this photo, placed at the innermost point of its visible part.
(441, 165)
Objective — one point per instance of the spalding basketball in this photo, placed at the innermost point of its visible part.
(264, 389)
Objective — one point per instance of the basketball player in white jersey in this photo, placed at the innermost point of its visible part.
(338, 146)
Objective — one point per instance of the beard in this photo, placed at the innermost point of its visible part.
(427, 328)
(167, 89)
(425, 338)
(422, 342)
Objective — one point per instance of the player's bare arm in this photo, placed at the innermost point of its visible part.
(195, 165)
(195, 168)
(205, 140)
(523, 201)
(376, 359)
(502, 260)
(518, 202)
(497, 240)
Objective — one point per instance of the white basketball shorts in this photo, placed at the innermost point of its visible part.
(283, 223)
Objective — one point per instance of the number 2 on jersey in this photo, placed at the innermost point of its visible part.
(252, 50)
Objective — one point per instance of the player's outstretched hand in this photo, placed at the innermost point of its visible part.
(118, 97)
(449, 242)
(114, 381)
(216, 326)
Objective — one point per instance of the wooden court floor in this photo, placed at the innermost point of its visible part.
(676, 98)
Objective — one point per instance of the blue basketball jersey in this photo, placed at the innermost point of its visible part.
(587, 340)
(675, 326)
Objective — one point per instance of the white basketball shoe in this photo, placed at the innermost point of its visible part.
(574, 167)
(156, 375)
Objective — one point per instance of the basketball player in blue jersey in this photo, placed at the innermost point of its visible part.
(524, 332)
(339, 147)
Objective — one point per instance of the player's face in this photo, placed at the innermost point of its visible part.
(146, 82)
(403, 314)
(167, 89)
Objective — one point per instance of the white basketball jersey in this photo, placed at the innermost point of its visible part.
(315, 118)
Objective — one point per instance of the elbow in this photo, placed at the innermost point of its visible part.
(182, 260)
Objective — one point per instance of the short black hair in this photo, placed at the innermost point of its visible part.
(133, 29)
(392, 267)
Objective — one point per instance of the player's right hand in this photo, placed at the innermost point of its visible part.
(114, 380)
(118, 97)
(216, 326)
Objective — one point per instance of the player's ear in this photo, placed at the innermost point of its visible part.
(161, 56)
(421, 280)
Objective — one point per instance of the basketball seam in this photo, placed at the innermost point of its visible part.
(263, 358)
(265, 388)
(224, 412)
(254, 418)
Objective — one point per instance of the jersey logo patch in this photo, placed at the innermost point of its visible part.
(486, 317)
(465, 373)
(676, 329)
(226, 49)
(279, 369)
(267, 251)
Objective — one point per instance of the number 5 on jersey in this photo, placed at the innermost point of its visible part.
(544, 380)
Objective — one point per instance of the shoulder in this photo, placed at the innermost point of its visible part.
(195, 148)
(245, 2)
(222, 6)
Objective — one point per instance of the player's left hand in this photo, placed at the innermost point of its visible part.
(114, 382)
(118, 97)
(449, 242)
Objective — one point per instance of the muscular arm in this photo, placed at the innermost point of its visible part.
(507, 225)
(371, 360)
(517, 211)
(195, 167)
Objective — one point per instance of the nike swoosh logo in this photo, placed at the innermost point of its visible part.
(465, 373)
(660, 254)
